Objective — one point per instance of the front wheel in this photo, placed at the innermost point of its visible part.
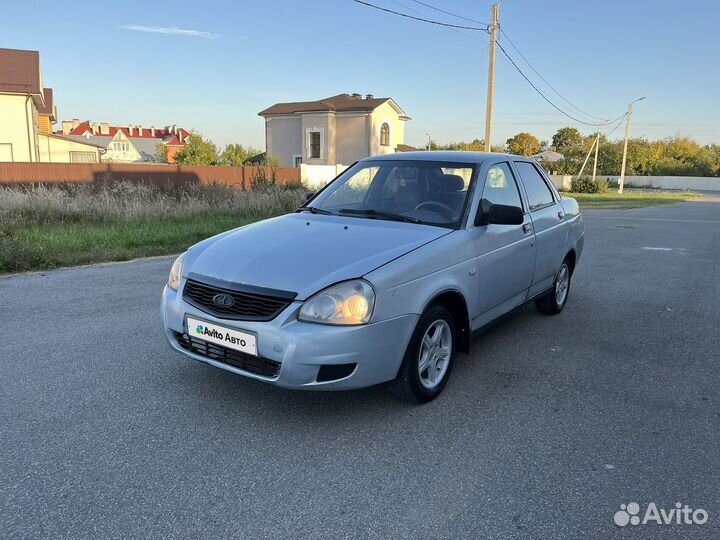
(429, 358)
(554, 302)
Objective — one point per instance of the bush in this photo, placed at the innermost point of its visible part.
(585, 184)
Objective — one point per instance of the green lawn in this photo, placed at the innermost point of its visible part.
(632, 199)
(32, 247)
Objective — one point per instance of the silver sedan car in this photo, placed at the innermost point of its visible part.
(382, 276)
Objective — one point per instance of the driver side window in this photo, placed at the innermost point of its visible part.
(500, 188)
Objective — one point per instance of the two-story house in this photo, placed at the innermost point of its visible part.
(27, 112)
(336, 130)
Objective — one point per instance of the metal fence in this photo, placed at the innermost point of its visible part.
(164, 175)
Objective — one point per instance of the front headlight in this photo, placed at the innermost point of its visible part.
(350, 302)
(176, 272)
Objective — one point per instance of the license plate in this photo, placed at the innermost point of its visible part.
(219, 335)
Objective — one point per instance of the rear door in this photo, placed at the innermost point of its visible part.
(505, 253)
(548, 221)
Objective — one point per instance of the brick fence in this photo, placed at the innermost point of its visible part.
(162, 175)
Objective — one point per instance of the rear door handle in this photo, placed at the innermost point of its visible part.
(527, 228)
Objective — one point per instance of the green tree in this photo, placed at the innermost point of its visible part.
(476, 145)
(567, 139)
(236, 155)
(161, 153)
(523, 144)
(197, 151)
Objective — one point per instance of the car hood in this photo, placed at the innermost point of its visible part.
(304, 252)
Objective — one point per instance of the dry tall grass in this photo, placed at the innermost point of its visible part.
(120, 201)
(49, 226)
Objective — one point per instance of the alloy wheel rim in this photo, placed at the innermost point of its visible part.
(434, 355)
(562, 283)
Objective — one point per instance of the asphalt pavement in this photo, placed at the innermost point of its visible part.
(544, 430)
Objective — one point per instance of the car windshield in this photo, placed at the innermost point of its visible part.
(428, 192)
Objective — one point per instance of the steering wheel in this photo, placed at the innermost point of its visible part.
(447, 212)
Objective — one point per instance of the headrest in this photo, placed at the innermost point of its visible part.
(448, 183)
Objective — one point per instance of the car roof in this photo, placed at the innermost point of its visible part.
(446, 156)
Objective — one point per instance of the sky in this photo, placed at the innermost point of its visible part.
(212, 66)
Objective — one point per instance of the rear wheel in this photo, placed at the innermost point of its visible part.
(554, 301)
(428, 359)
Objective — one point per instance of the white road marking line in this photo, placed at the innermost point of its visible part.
(620, 218)
(657, 248)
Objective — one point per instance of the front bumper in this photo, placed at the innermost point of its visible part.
(302, 348)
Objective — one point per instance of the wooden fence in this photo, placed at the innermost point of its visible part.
(161, 175)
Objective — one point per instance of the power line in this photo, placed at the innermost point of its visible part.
(605, 123)
(617, 126)
(448, 12)
(502, 49)
(430, 21)
(545, 80)
(453, 29)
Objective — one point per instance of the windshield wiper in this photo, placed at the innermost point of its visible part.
(381, 215)
(314, 210)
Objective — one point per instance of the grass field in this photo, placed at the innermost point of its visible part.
(629, 199)
(47, 227)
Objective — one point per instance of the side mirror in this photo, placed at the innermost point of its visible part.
(501, 214)
(309, 196)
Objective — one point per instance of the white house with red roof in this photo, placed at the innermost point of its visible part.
(130, 144)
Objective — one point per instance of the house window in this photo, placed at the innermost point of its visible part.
(120, 146)
(385, 135)
(297, 160)
(83, 157)
(314, 145)
(6, 152)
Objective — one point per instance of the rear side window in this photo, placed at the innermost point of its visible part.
(538, 192)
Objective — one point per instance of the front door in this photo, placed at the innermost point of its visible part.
(505, 253)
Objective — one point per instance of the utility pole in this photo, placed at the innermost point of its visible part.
(597, 145)
(621, 182)
(491, 76)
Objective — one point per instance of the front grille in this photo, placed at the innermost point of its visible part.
(246, 306)
(237, 359)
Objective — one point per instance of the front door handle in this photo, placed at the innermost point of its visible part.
(560, 215)
(527, 228)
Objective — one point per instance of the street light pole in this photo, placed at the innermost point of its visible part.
(491, 76)
(621, 181)
(597, 146)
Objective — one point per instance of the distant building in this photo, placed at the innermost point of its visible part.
(406, 148)
(27, 112)
(47, 114)
(131, 144)
(336, 130)
(257, 160)
(549, 155)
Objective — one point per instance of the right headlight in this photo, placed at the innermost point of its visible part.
(176, 273)
(347, 303)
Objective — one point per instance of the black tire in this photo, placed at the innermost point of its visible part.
(548, 303)
(407, 385)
